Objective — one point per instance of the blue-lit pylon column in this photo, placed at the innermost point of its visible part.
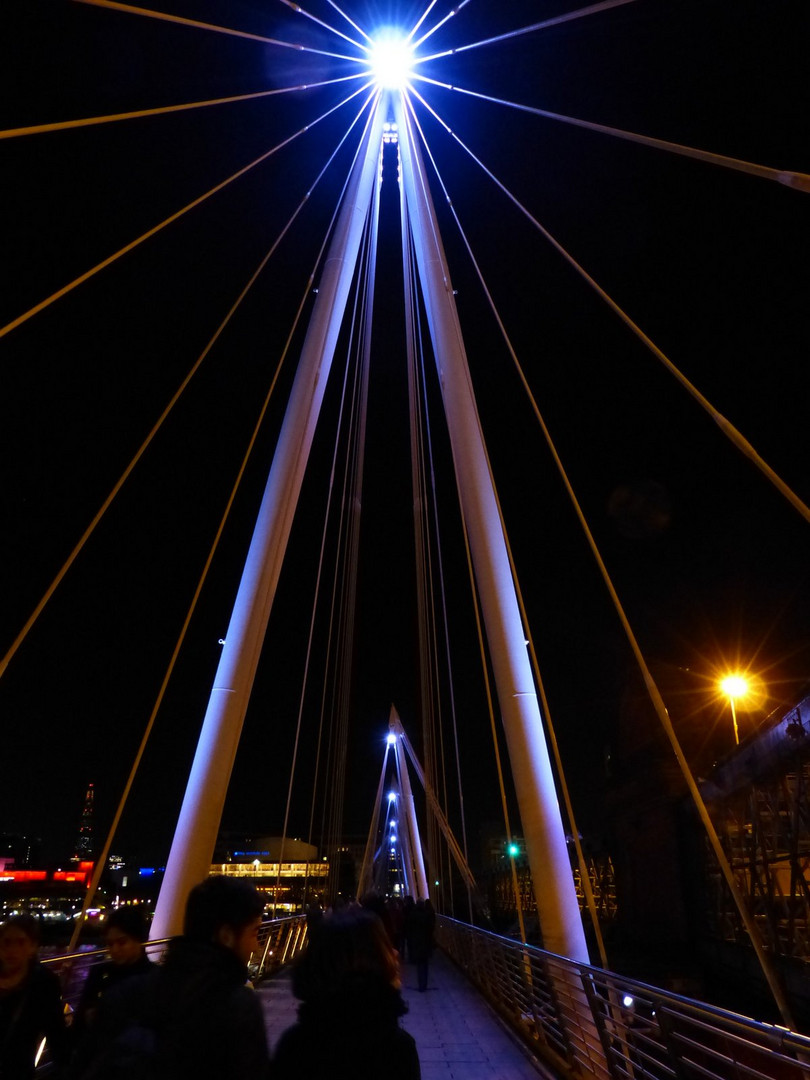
(416, 858)
(197, 827)
(557, 907)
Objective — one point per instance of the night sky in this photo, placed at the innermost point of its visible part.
(711, 562)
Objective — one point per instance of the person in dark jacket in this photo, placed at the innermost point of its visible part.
(348, 1022)
(420, 941)
(124, 935)
(31, 1006)
(195, 1014)
(408, 907)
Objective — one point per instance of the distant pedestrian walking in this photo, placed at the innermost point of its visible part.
(420, 940)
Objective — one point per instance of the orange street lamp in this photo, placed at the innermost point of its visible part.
(734, 687)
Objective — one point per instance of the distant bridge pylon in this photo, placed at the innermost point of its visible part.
(408, 834)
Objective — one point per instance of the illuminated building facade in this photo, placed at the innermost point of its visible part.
(289, 873)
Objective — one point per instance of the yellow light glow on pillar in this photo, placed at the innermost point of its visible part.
(734, 687)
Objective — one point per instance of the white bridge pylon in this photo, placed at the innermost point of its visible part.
(198, 824)
(407, 825)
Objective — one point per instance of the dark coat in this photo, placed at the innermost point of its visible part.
(207, 1023)
(421, 926)
(355, 1034)
(100, 980)
(27, 1013)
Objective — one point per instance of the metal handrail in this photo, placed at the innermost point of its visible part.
(581, 1019)
(280, 942)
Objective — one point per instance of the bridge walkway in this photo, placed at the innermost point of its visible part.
(457, 1034)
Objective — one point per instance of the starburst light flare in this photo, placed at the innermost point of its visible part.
(391, 60)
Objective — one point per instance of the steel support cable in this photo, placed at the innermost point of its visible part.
(351, 23)
(163, 16)
(728, 429)
(348, 588)
(433, 715)
(365, 873)
(441, 22)
(424, 569)
(551, 730)
(421, 18)
(366, 330)
(169, 220)
(431, 682)
(300, 11)
(160, 110)
(493, 726)
(583, 869)
(458, 854)
(337, 735)
(323, 246)
(445, 620)
(332, 605)
(425, 460)
(652, 688)
(483, 650)
(311, 633)
(336, 632)
(417, 483)
(346, 622)
(799, 181)
(364, 358)
(434, 506)
(101, 861)
(6, 659)
(332, 622)
(592, 9)
(404, 831)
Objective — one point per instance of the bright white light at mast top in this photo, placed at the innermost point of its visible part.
(391, 60)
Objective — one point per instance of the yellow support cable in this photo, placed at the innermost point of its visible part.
(728, 429)
(765, 962)
(160, 110)
(196, 24)
(101, 861)
(789, 178)
(20, 638)
(167, 221)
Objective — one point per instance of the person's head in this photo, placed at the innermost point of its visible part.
(373, 901)
(227, 911)
(350, 947)
(19, 941)
(125, 932)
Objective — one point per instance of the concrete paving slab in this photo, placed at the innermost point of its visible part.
(457, 1035)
